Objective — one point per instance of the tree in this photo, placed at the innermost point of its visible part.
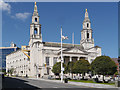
(82, 66)
(11, 71)
(116, 73)
(69, 67)
(4, 71)
(104, 65)
(57, 68)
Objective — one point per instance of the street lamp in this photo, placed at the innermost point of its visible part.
(62, 69)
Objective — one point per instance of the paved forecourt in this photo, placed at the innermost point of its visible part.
(33, 83)
(87, 85)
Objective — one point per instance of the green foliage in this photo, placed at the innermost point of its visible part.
(4, 71)
(69, 67)
(91, 81)
(104, 65)
(57, 68)
(116, 73)
(11, 71)
(81, 66)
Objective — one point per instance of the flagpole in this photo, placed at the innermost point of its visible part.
(61, 58)
(73, 38)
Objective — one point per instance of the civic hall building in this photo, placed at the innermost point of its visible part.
(38, 58)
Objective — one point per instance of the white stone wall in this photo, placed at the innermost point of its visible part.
(38, 54)
(50, 52)
(19, 61)
(93, 53)
(88, 45)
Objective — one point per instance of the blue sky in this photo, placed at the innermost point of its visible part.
(16, 20)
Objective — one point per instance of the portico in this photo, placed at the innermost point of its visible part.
(69, 57)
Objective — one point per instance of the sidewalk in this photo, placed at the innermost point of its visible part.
(92, 85)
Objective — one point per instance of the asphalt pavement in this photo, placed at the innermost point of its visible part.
(25, 83)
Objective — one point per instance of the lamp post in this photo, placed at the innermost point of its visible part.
(62, 69)
(61, 58)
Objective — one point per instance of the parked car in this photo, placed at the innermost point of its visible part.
(51, 77)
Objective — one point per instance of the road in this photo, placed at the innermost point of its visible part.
(21, 83)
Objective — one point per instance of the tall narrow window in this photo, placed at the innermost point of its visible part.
(87, 35)
(35, 31)
(54, 60)
(47, 60)
(35, 19)
(87, 25)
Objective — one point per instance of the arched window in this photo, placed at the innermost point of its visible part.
(35, 31)
(35, 19)
(87, 25)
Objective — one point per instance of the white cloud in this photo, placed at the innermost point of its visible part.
(5, 6)
(22, 16)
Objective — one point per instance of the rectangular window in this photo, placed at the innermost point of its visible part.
(54, 60)
(29, 53)
(47, 60)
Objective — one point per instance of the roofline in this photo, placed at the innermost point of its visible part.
(62, 43)
(93, 47)
(7, 47)
(98, 46)
(73, 53)
(14, 52)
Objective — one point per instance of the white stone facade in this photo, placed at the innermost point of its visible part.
(38, 58)
(19, 61)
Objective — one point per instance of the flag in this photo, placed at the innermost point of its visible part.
(64, 37)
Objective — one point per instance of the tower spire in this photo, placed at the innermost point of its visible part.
(86, 34)
(35, 27)
(86, 14)
(86, 17)
(35, 10)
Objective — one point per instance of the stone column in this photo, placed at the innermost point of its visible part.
(70, 71)
(70, 59)
(78, 58)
